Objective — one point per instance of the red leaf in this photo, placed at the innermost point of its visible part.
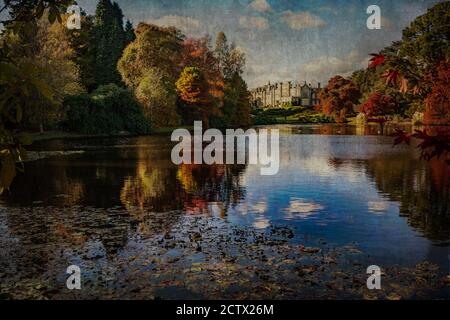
(376, 60)
(392, 76)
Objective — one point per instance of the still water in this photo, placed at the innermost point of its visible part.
(114, 197)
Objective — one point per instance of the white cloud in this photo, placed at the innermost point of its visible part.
(261, 223)
(300, 208)
(378, 207)
(260, 6)
(260, 207)
(254, 23)
(184, 23)
(325, 67)
(302, 20)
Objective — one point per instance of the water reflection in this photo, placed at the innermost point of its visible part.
(332, 184)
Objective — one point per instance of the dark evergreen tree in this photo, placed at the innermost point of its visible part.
(83, 42)
(109, 41)
(129, 33)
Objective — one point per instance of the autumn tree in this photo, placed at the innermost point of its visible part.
(154, 47)
(150, 66)
(197, 53)
(378, 105)
(338, 98)
(192, 90)
(157, 95)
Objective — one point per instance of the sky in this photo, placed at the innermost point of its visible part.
(284, 40)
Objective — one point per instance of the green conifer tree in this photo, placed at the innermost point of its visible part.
(109, 41)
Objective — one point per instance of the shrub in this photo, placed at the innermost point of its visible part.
(78, 110)
(108, 110)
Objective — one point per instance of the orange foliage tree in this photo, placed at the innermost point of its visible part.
(201, 85)
(197, 53)
(192, 89)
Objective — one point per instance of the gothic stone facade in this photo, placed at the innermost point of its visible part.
(274, 95)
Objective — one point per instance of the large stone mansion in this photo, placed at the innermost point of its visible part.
(275, 95)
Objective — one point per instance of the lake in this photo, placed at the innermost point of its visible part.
(141, 227)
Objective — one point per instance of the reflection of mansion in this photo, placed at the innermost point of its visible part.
(275, 95)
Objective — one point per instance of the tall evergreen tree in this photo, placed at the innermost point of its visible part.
(109, 41)
(129, 33)
(83, 42)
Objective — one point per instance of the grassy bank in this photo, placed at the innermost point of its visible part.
(289, 115)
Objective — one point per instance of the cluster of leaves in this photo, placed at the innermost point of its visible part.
(107, 110)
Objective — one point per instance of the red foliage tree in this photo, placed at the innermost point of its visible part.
(338, 98)
(197, 53)
(378, 105)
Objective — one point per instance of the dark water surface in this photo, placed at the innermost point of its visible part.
(139, 226)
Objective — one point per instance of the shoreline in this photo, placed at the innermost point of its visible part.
(67, 135)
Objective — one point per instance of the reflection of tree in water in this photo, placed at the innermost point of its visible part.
(421, 188)
(165, 187)
(122, 190)
(55, 184)
(157, 185)
(204, 184)
(152, 188)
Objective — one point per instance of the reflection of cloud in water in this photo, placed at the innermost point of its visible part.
(378, 207)
(301, 208)
(260, 207)
(261, 223)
